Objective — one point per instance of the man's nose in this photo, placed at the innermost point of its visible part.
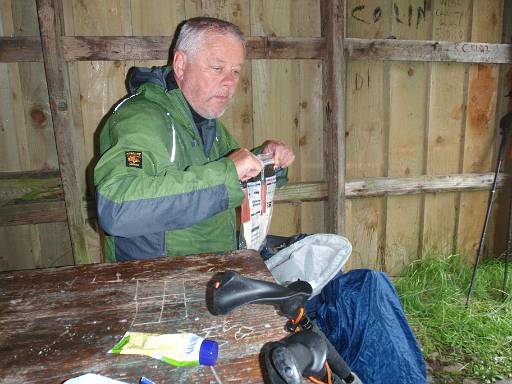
(230, 80)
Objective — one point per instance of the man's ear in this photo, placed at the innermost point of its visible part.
(178, 65)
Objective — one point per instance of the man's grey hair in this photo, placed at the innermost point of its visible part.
(193, 31)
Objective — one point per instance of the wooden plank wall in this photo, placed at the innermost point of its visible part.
(412, 118)
(403, 119)
(276, 99)
(27, 143)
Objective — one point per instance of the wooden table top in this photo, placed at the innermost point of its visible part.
(59, 323)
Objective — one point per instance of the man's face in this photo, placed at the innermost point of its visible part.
(208, 79)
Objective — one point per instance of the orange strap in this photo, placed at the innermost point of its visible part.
(299, 316)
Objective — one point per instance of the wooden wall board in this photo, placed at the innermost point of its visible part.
(364, 230)
(406, 145)
(235, 11)
(480, 134)
(51, 30)
(310, 130)
(10, 159)
(368, 19)
(33, 148)
(332, 16)
(311, 143)
(9, 144)
(286, 220)
(14, 241)
(55, 245)
(366, 132)
(443, 153)
(38, 120)
(159, 18)
(15, 151)
(451, 22)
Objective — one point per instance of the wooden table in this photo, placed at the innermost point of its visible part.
(59, 323)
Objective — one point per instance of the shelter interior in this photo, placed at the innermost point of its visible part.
(392, 109)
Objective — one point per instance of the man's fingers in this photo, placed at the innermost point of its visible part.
(285, 159)
(250, 174)
(281, 153)
(247, 165)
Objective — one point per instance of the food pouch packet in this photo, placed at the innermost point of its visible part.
(256, 209)
(179, 349)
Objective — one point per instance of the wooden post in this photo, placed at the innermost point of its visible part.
(58, 92)
(333, 30)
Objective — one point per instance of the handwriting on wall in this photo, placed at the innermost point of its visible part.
(450, 20)
(473, 47)
(361, 80)
(411, 15)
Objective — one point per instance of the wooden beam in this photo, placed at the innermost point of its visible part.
(18, 49)
(109, 48)
(286, 47)
(333, 29)
(296, 192)
(30, 186)
(34, 212)
(423, 50)
(60, 104)
(37, 197)
(85, 48)
(380, 186)
(392, 186)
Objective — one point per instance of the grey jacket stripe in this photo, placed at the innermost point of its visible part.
(141, 217)
(140, 247)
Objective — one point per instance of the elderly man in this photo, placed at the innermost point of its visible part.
(169, 175)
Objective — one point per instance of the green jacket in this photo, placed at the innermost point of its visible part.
(158, 193)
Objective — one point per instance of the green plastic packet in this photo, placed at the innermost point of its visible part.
(179, 349)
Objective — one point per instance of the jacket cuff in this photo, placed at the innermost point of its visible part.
(235, 192)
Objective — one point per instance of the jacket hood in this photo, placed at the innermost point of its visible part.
(140, 75)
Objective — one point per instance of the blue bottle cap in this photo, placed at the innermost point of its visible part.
(208, 352)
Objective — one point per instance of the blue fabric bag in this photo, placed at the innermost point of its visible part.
(361, 314)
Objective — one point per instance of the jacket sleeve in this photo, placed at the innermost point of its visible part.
(154, 195)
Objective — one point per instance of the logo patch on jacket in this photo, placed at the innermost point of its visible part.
(134, 159)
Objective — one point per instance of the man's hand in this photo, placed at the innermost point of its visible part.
(247, 165)
(281, 153)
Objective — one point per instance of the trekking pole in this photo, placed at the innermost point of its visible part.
(507, 252)
(505, 125)
(508, 123)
